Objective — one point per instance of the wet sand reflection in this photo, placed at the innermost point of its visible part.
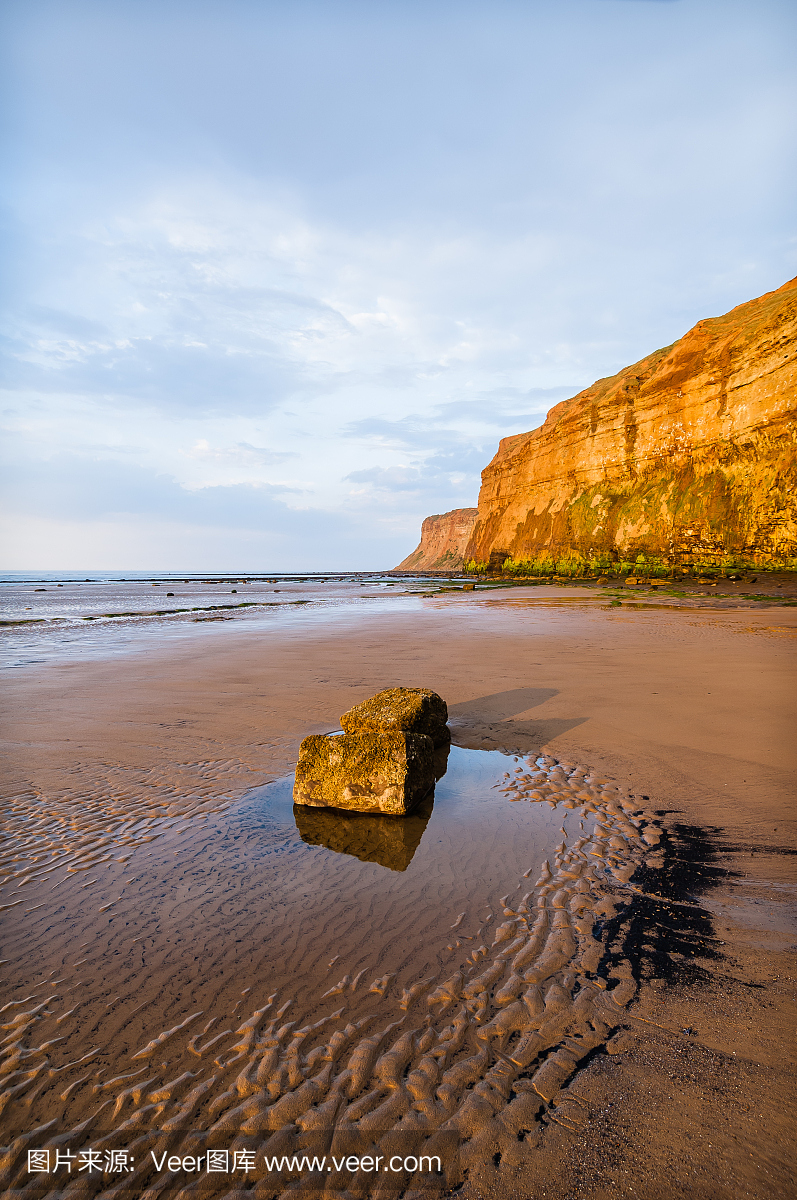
(389, 841)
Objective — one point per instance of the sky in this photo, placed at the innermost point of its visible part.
(279, 274)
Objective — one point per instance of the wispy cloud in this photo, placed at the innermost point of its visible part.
(242, 454)
(78, 487)
(282, 266)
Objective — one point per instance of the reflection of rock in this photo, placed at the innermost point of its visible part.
(377, 770)
(412, 710)
(377, 839)
(441, 760)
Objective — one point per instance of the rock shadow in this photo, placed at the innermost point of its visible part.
(489, 722)
(665, 932)
(501, 706)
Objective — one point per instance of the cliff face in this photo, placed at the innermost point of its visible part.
(443, 541)
(687, 456)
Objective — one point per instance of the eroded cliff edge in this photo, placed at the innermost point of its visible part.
(686, 457)
(443, 541)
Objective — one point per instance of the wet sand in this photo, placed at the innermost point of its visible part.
(685, 712)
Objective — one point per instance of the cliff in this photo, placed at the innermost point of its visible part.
(443, 541)
(688, 456)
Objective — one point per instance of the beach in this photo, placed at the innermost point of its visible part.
(162, 879)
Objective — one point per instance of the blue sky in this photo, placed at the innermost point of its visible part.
(279, 275)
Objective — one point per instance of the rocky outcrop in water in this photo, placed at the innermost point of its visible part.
(381, 771)
(686, 457)
(443, 541)
(384, 762)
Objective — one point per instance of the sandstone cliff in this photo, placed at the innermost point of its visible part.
(443, 541)
(686, 457)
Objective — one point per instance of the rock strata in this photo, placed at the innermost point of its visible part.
(443, 541)
(685, 459)
(375, 770)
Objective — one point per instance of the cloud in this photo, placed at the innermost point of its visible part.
(503, 406)
(359, 249)
(452, 477)
(80, 488)
(173, 373)
(413, 432)
(450, 424)
(72, 508)
(392, 479)
(242, 454)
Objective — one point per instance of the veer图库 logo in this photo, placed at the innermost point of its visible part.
(326, 1158)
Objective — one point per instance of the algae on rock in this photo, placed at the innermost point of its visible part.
(384, 762)
(412, 710)
(380, 770)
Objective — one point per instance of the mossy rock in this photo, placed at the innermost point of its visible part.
(410, 710)
(380, 771)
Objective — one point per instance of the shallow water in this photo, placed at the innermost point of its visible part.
(89, 599)
(246, 969)
(43, 620)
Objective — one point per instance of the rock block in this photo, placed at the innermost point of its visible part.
(376, 770)
(410, 710)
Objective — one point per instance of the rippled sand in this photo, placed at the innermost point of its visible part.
(159, 919)
(241, 979)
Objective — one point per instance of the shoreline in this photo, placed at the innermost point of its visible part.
(624, 692)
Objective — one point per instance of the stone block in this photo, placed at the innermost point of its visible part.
(409, 710)
(386, 771)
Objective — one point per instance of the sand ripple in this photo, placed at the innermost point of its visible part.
(468, 1032)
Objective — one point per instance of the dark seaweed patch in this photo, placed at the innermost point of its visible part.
(664, 930)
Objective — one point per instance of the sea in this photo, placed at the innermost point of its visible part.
(46, 615)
